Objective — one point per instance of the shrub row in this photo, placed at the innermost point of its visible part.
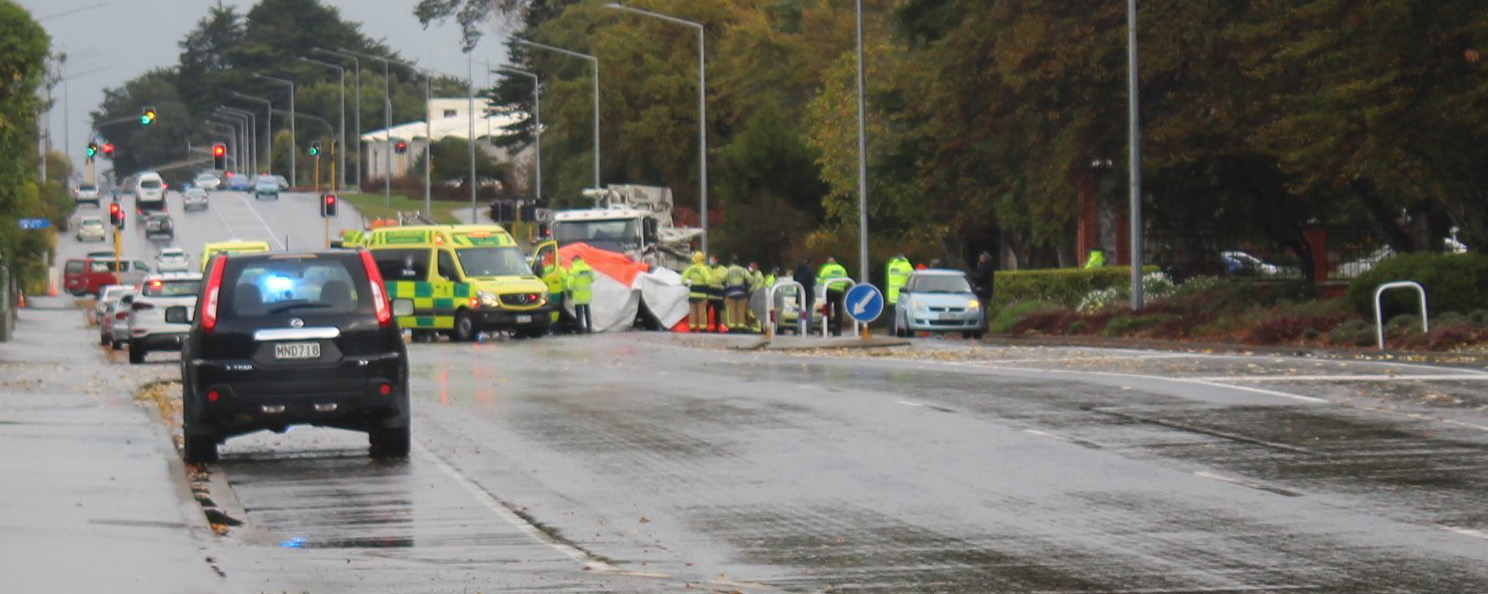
(1453, 283)
(1064, 286)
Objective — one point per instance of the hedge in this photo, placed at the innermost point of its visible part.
(1065, 286)
(1453, 282)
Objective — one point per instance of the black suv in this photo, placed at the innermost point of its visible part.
(282, 339)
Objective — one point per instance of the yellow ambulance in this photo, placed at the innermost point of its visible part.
(236, 246)
(461, 280)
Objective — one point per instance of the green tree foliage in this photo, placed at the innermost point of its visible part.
(23, 55)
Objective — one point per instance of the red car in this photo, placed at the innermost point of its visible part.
(84, 276)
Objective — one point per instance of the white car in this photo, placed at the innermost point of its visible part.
(173, 260)
(194, 198)
(207, 181)
(92, 229)
(148, 330)
(86, 193)
(113, 327)
(108, 295)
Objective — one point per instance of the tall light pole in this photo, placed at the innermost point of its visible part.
(702, 106)
(470, 91)
(862, 160)
(595, 62)
(536, 126)
(387, 116)
(268, 126)
(1134, 208)
(356, 65)
(293, 137)
(252, 134)
(341, 146)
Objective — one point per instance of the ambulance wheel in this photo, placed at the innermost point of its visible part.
(464, 327)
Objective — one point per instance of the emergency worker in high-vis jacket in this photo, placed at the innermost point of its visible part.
(579, 285)
(698, 277)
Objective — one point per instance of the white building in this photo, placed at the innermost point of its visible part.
(450, 118)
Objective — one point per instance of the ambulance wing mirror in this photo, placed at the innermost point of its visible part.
(402, 308)
(648, 230)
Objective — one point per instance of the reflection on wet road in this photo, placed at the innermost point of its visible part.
(656, 466)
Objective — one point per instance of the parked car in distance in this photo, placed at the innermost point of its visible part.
(1238, 263)
(92, 229)
(207, 180)
(293, 339)
(113, 326)
(107, 295)
(160, 225)
(937, 300)
(148, 328)
(266, 186)
(239, 183)
(173, 259)
(194, 199)
(86, 194)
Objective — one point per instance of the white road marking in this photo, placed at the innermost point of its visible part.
(272, 235)
(505, 513)
(910, 403)
(1275, 393)
(1346, 378)
(1466, 532)
(1260, 486)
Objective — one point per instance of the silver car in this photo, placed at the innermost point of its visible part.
(939, 301)
(207, 181)
(113, 327)
(194, 198)
(108, 295)
(92, 229)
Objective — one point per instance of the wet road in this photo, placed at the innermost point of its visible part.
(650, 462)
(646, 462)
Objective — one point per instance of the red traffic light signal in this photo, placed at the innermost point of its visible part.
(116, 215)
(218, 150)
(400, 147)
(108, 149)
(328, 206)
(219, 156)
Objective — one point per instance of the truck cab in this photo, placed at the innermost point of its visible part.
(461, 280)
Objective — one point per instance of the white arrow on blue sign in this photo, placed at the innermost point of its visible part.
(864, 303)
(33, 224)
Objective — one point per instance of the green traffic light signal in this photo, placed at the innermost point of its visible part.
(315, 149)
(148, 117)
(92, 150)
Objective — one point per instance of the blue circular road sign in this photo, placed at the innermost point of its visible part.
(864, 303)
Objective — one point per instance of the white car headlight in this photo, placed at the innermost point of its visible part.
(973, 304)
(920, 306)
(488, 299)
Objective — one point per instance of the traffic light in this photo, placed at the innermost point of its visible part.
(328, 206)
(219, 156)
(108, 150)
(400, 147)
(92, 149)
(147, 117)
(116, 215)
(315, 148)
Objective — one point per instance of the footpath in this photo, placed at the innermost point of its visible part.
(92, 494)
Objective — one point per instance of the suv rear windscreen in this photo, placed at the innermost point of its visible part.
(150, 184)
(171, 288)
(293, 285)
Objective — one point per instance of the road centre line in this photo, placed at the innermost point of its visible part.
(272, 235)
(1345, 378)
(505, 513)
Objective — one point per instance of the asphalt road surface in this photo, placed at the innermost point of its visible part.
(654, 462)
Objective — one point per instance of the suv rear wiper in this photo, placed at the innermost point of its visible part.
(307, 304)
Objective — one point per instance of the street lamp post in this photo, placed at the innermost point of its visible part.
(1135, 148)
(341, 147)
(252, 134)
(595, 62)
(356, 65)
(293, 147)
(536, 126)
(387, 116)
(702, 106)
(862, 160)
(268, 126)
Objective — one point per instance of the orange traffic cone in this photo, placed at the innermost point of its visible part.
(22, 301)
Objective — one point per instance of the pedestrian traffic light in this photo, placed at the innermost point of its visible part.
(328, 206)
(315, 148)
(108, 150)
(148, 116)
(219, 156)
(92, 149)
(116, 215)
(400, 147)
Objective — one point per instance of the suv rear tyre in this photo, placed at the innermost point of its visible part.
(389, 443)
(200, 449)
(136, 352)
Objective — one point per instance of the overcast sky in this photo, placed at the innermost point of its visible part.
(112, 41)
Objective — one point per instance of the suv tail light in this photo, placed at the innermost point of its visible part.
(214, 289)
(379, 296)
